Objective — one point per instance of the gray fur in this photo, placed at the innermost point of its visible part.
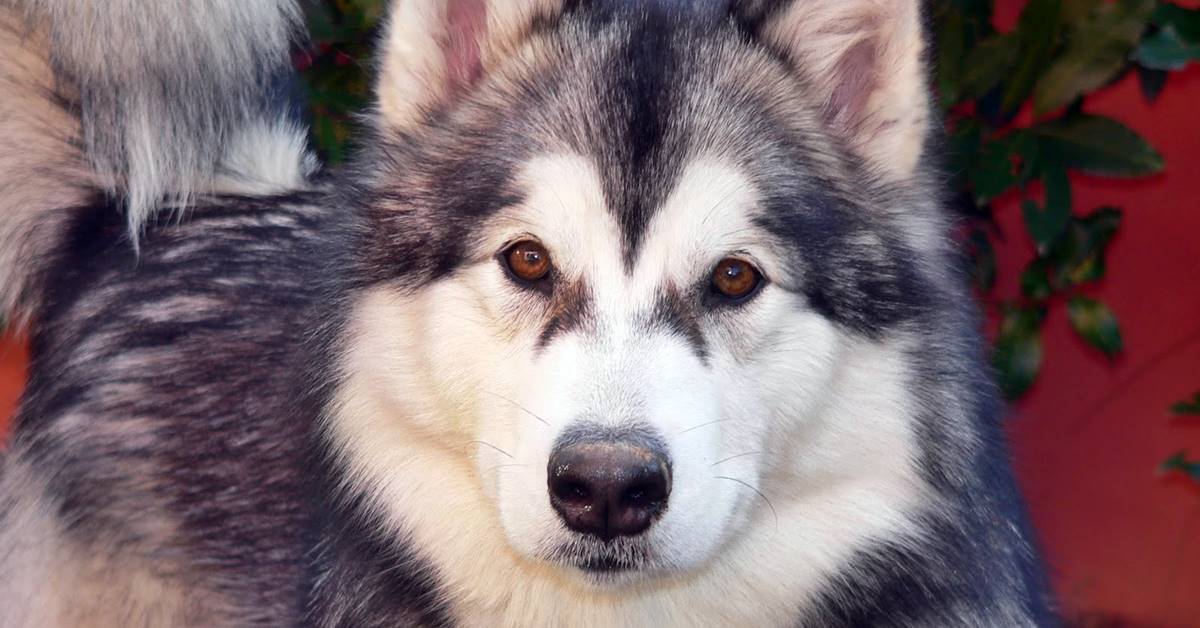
(163, 86)
(174, 452)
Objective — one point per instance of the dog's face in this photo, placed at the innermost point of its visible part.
(617, 269)
(626, 400)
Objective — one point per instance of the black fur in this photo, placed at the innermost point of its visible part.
(234, 318)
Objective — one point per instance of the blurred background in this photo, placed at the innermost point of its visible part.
(1073, 160)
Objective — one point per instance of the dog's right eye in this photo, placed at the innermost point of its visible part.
(527, 261)
(736, 279)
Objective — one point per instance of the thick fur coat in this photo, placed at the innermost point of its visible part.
(264, 396)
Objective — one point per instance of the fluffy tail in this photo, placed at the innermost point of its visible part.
(150, 102)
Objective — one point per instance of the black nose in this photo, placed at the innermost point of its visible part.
(609, 488)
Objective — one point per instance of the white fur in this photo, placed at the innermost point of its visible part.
(50, 161)
(889, 130)
(163, 84)
(414, 69)
(265, 159)
(448, 416)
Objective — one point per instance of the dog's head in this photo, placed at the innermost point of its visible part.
(621, 261)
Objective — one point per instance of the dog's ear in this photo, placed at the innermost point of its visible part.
(434, 49)
(865, 59)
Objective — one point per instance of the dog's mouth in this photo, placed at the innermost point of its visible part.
(606, 564)
(605, 560)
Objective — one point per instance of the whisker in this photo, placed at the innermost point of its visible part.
(501, 466)
(484, 442)
(749, 453)
(760, 494)
(516, 405)
(696, 427)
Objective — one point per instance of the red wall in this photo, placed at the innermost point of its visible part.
(1088, 437)
(12, 378)
(1120, 540)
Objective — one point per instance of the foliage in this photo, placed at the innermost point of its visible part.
(1014, 111)
(336, 66)
(1014, 107)
(1179, 462)
(1187, 407)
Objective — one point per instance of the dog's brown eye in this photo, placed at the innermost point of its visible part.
(528, 260)
(735, 278)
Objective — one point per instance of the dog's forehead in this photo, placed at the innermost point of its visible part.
(650, 98)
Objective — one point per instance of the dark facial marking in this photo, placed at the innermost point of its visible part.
(856, 272)
(572, 309)
(680, 316)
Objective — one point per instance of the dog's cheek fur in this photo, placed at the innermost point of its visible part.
(423, 373)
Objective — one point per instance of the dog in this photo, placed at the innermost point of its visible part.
(625, 314)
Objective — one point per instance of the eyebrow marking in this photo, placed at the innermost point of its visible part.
(572, 309)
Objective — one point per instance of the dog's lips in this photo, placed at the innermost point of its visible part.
(604, 560)
(605, 564)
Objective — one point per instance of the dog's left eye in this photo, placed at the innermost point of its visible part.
(527, 260)
(735, 279)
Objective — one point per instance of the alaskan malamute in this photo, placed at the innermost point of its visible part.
(628, 313)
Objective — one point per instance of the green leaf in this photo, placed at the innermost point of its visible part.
(1079, 256)
(1017, 356)
(1037, 34)
(951, 51)
(976, 11)
(1166, 50)
(318, 20)
(1055, 181)
(1186, 22)
(1152, 82)
(992, 172)
(1035, 281)
(1044, 226)
(1029, 149)
(1095, 323)
(1179, 463)
(963, 148)
(1187, 407)
(371, 10)
(987, 65)
(1098, 48)
(1101, 146)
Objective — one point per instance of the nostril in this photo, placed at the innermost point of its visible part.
(642, 495)
(571, 491)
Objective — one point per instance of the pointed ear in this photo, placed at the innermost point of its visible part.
(865, 59)
(434, 49)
